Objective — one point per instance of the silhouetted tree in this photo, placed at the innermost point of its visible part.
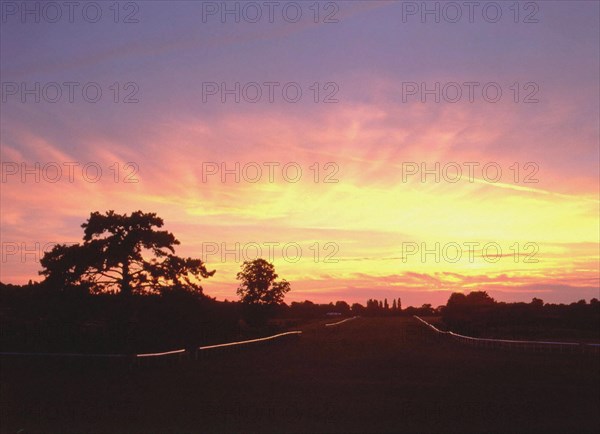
(357, 309)
(372, 306)
(261, 295)
(479, 298)
(426, 309)
(475, 309)
(258, 285)
(537, 302)
(342, 307)
(114, 258)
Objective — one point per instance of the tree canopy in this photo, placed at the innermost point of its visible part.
(258, 285)
(123, 254)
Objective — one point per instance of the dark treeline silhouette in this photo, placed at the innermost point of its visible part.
(38, 317)
(477, 314)
(373, 307)
(124, 290)
(382, 308)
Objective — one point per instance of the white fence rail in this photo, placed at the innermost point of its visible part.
(180, 352)
(165, 353)
(541, 346)
(250, 341)
(136, 357)
(340, 322)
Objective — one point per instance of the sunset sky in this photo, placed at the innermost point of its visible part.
(362, 236)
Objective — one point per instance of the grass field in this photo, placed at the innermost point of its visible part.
(366, 375)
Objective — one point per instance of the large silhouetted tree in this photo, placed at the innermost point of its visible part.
(123, 254)
(258, 285)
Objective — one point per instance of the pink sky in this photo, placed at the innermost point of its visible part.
(545, 200)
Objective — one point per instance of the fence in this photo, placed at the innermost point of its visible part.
(241, 344)
(539, 346)
(180, 353)
(137, 358)
(340, 322)
(170, 355)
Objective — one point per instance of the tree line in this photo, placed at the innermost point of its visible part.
(123, 288)
(478, 314)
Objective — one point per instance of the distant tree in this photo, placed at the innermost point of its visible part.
(372, 306)
(394, 305)
(258, 285)
(305, 309)
(426, 309)
(342, 307)
(357, 309)
(479, 298)
(400, 304)
(123, 254)
(474, 308)
(537, 302)
(456, 299)
(386, 306)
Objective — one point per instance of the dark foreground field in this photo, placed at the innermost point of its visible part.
(366, 375)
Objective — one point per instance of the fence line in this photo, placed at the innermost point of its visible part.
(250, 341)
(179, 352)
(515, 344)
(340, 322)
(166, 353)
